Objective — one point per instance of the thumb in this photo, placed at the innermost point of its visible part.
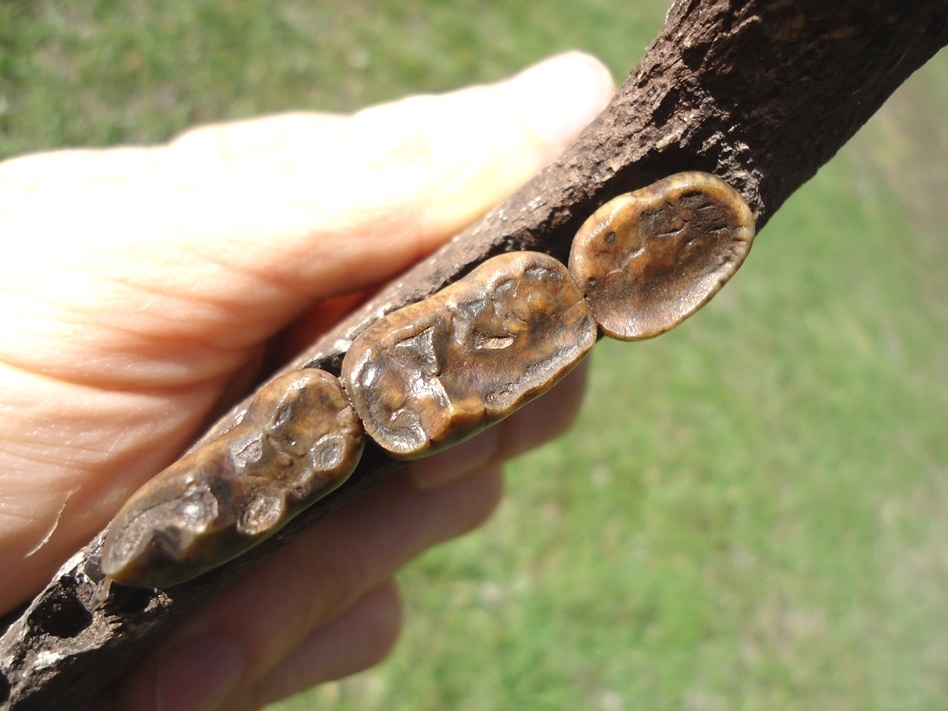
(220, 238)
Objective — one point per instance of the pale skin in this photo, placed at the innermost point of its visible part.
(139, 291)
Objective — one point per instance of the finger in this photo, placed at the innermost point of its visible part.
(304, 585)
(356, 640)
(539, 421)
(378, 190)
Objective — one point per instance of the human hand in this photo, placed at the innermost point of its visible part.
(141, 288)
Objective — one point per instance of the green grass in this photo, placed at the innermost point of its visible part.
(753, 510)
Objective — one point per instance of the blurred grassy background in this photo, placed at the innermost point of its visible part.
(752, 512)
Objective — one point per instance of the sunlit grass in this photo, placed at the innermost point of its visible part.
(753, 510)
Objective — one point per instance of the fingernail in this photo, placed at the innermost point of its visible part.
(199, 674)
(559, 96)
(456, 462)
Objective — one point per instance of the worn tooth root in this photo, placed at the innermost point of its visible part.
(434, 373)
